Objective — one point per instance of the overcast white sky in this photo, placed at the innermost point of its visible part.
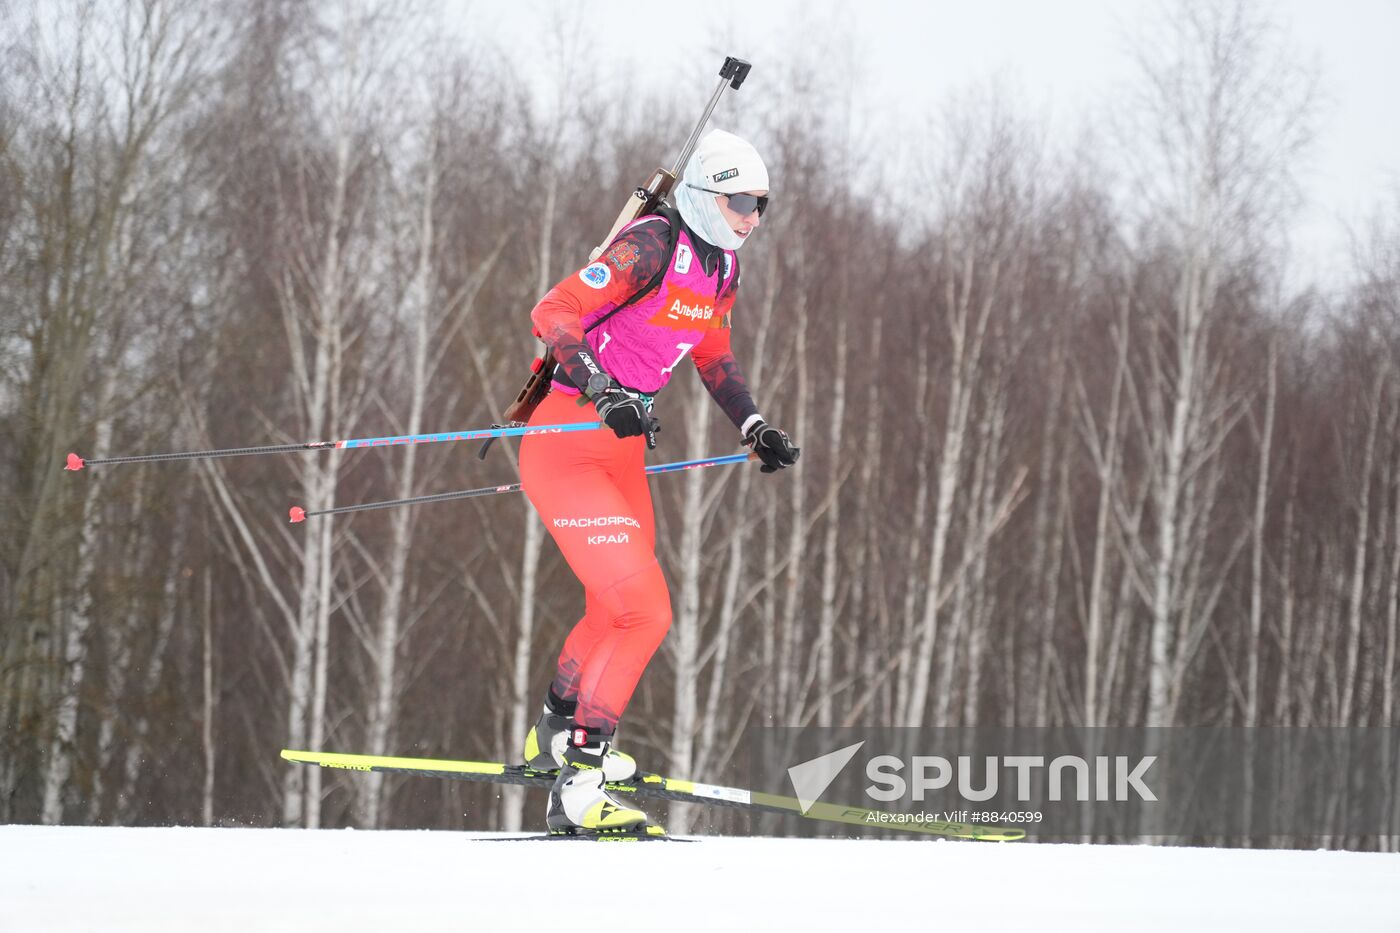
(1068, 57)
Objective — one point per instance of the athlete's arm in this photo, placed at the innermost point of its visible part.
(722, 377)
(721, 374)
(624, 268)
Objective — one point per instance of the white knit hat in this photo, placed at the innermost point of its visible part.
(731, 164)
(723, 162)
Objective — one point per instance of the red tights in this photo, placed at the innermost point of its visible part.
(591, 492)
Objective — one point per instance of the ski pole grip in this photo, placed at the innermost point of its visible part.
(734, 70)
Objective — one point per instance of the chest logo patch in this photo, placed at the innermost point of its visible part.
(683, 259)
(683, 309)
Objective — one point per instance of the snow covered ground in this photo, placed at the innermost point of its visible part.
(80, 878)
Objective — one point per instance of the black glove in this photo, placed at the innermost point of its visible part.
(625, 412)
(773, 447)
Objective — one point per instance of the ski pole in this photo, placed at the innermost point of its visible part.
(298, 514)
(76, 462)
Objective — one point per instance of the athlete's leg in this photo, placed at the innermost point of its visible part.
(586, 633)
(597, 623)
(582, 485)
(619, 653)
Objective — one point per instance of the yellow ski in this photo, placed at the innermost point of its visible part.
(646, 784)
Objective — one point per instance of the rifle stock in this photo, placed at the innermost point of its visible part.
(533, 392)
(642, 201)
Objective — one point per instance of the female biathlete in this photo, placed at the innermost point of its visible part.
(617, 350)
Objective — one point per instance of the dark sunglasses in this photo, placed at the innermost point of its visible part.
(742, 204)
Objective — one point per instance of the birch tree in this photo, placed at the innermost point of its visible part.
(430, 321)
(322, 206)
(978, 195)
(91, 162)
(1224, 112)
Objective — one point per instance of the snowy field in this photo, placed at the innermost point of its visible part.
(76, 878)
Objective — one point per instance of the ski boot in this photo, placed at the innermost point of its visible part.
(547, 738)
(579, 804)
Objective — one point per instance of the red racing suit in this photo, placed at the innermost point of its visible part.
(589, 487)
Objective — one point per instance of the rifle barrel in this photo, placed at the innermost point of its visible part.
(689, 147)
